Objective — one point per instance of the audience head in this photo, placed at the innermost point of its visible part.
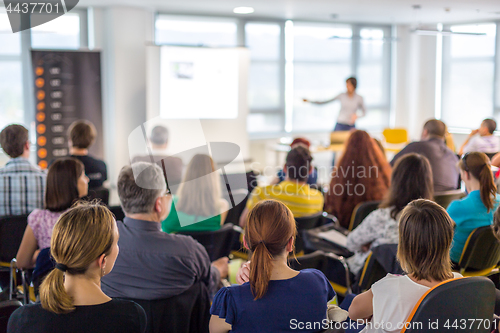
(300, 142)
(425, 236)
(200, 192)
(159, 136)
(14, 140)
(488, 126)
(476, 167)
(84, 242)
(270, 233)
(298, 164)
(411, 179)
(66, 183)
(81, 134)
(351, 84)
(434, 129)
(146, 193)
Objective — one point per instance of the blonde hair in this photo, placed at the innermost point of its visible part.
(80, 236)
(425, 236)
(200, 192)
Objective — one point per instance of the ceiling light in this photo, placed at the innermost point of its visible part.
(243, 10)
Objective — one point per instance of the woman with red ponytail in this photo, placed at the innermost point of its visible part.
(277, 298)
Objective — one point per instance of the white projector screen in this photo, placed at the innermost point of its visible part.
(198, 83)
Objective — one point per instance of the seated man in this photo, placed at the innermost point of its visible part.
(153, 264)
(443, 161)
(81, 135)
(159, 143)
(22, 185)
(293, 191)
(485, 142)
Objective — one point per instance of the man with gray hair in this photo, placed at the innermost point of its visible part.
(153, 264)
(159, 143)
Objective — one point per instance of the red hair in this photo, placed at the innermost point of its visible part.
(363, 174)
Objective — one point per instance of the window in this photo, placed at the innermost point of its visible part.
(60, 33)
(11, 83)
(197, 31)
(468, 75)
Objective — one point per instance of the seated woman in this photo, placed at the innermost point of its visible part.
(411, 179)
(66, 183)
(425, 235)
(362, 174)
(198, 205)
(85, 246)
(477, 208)
(276, 294)
(312, 178)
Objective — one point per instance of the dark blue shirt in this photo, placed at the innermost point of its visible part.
(301, 299)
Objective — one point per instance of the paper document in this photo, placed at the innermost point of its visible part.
(334, 236)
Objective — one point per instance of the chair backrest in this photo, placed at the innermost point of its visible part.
(188, 312)
(316, 260)
(445, 198)
(118, 212)
(6, 309)
(100, 193)
(395, 135)
(217, 243)
(11, 234)
(305, 223)
(481, 250)
(361, 211)
(454, 302)
(339, 137)
(380, 261)
(44, 265)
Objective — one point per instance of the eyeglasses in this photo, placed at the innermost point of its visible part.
(464, 162)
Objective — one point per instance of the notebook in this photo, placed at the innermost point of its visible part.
(334, 236)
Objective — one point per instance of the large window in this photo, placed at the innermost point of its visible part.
(61, 33)
(469, 75)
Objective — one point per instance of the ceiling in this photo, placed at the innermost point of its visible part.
(372, 11)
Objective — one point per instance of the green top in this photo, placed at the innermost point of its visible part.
(192, 223)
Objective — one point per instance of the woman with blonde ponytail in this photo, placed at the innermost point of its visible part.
(276, 298)
(477, 208)
(84, 246)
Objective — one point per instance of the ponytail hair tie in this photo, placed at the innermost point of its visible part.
(261, 242)
(62, 267)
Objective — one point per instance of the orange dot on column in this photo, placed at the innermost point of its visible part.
(40, 116)
(40, 129)
(40, 95)
(39, 71)
(40, 106)
(43, 164)
(39, 82)
(41, 141)
(42, 152)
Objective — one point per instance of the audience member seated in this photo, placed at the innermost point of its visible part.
(425, 236)
(159, 144)
(198, 205)
(276, 294)
(66, 183)
(85, 246)
(82, 134)
(312, 179)
(484, 141)
(293, 191)
(362, 174)
(477, 208)
(154, 264)
(443, 161)
(411, 179)
(22, 185)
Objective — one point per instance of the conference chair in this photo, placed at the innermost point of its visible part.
(445, 198)
(333, 266)
(99, 193)
(395, 139)
(361, 211)
(380, 261)
(11, 234)
(6, 309)
(303, 224)
(21, 292)
(188, 312)
(456, 305)
(118, 212)
(481, 253)
(217, 243)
